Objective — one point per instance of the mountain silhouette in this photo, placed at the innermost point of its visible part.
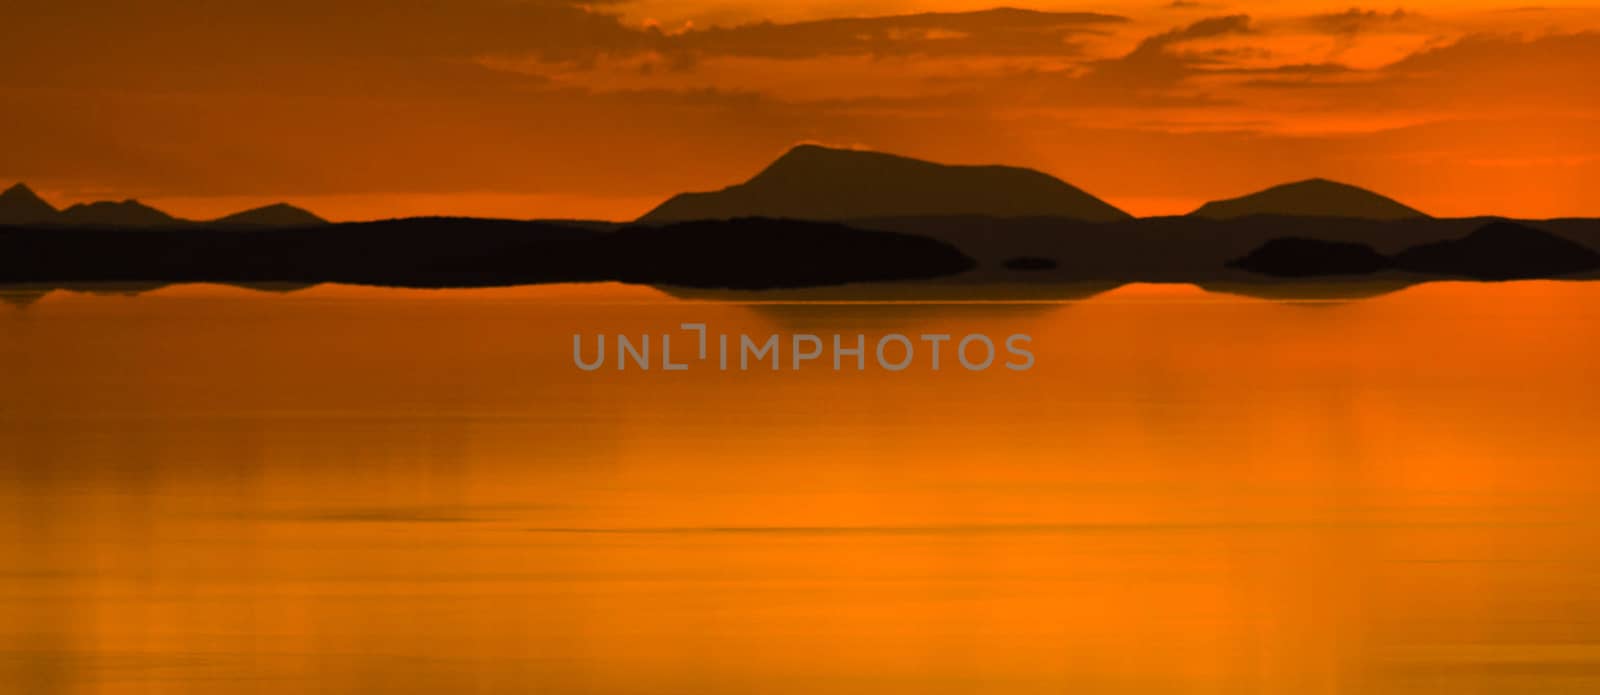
(820, 183)
(1310, 198)
(128, 213)
(279, 215)
(20, 205)
(1501, 251)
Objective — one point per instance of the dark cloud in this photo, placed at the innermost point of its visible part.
(1489, 54)
(1357, 21)
(381, 45)
(1204, 29)
(1482, 74)
(66, 41)
(1494, 74)
(997, 32)
(1160, 61)
(1306, 75)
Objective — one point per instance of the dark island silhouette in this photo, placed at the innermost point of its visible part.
(1294, 257)
(1030, 264)
(1496, 251)
(821, 183)
(1501, 251)
(828, 218)
(745, 254)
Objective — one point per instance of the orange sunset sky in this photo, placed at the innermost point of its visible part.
(552, 108)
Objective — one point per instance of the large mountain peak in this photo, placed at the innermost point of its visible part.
(825, 183)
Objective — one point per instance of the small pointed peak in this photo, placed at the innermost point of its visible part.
(1314, 182)
(812, 157)
(814, 147)
(20, 205)
(804, 150)
(21, 191)
(812, 150)
(274, 215)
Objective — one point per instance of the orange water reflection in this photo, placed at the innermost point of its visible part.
(210, 490)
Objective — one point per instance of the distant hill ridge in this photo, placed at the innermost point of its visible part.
(19, 205)
(822, 183)
(813, 182)
(1310, 198)
(128, 213)
(276, 215)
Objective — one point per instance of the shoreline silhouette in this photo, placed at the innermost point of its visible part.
(816, 217)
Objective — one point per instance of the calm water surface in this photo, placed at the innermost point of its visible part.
(341, 490)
